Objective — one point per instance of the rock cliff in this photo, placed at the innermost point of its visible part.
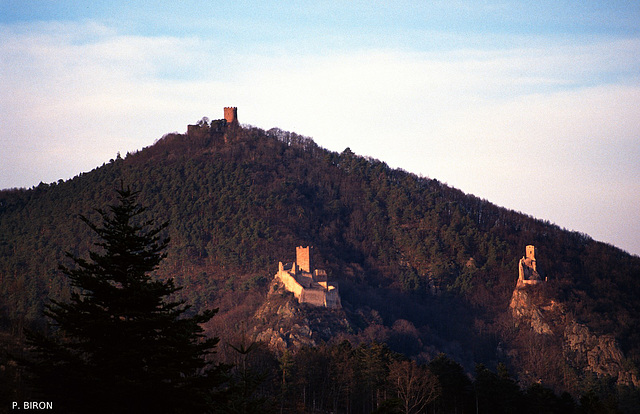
(282, 323)
(531, 309)
(600, 354)
(581, 348)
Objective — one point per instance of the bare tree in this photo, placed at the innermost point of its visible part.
(416, 386)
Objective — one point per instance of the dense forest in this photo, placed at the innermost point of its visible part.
(371, 378)
(402, 248)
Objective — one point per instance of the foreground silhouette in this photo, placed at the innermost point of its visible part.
(122, 344)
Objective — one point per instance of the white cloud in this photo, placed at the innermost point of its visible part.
(542, 128)
(73, 96)
(507, 126)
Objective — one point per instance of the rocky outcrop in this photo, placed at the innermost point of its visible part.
(533, 309)
(282, 323)
(601, 354)
(581, 348)
(281, 326)
(526, 311)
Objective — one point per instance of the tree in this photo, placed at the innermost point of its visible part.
(456, 388)
(286, 367)
(245, 393)
(122, 344)
(496, 392)
(373, 370)
(416, 386)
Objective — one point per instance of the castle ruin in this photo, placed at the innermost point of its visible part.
(231, 115)
(527, 271)
(217, 125)
(307, 284)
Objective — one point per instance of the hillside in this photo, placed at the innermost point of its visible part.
(420, 265)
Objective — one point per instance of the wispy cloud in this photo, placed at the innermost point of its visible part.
(546, 126)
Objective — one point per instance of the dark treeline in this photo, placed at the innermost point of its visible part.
(402, 247)
(341, 378)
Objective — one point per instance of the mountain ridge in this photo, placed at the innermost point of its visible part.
(403, 247)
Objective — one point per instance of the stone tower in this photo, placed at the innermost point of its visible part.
(231, 115)
(527, 271)
(531, 256)
(303, 258)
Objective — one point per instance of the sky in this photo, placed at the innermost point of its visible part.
(531, 105)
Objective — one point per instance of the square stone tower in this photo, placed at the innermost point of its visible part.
(231, 115)
(303, 258)
(531, 256)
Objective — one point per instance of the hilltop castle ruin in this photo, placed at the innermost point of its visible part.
(216, 125)
(307, 284)
(527, 272)
(231, 115)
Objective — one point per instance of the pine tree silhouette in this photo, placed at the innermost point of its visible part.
(122, 344)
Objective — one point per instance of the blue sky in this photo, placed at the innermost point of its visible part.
(530, 105)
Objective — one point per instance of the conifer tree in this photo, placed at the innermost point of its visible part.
(122, 344)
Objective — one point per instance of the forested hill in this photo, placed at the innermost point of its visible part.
(402, 247)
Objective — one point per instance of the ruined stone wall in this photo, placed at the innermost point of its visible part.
(307, 285)
(314, 297)
(192, 129)
(305, 280)
(320, 276)
(333, 298)
(527, 272)
(290, 283)
(317, 296)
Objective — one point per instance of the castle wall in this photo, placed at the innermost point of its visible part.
(305, 280)
(290, 283)
(314, 297)
(300, 279)
(192, 129)
(320, 276)
(333, 298)
(527, 273)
